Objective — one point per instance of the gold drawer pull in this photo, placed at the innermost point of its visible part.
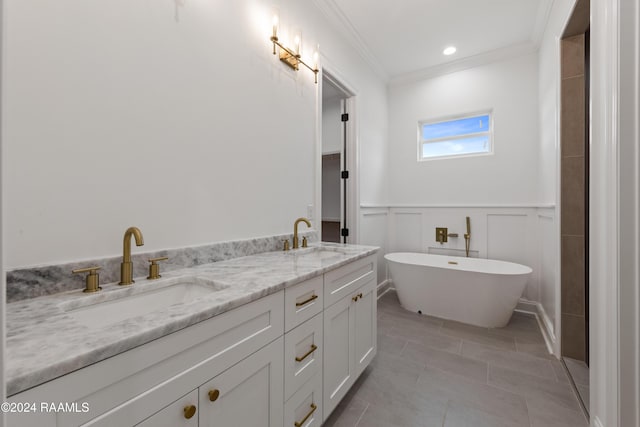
(311, 350)
(189, 411)
(306, 417)
(307, 301)
(214, 394)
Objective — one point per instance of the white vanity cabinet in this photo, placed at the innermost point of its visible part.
(181, 413)
(248, 394)
(286, 359)
(350, 333)
(126, 389)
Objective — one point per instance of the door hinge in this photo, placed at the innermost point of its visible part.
(344, 232)
(345, 117)
(344, 175)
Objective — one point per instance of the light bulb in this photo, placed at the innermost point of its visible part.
(450, 50)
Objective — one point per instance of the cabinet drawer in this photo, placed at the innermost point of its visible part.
(302, 302)
(346, 279)
(175, 415)
(305, 407)
(302, 354)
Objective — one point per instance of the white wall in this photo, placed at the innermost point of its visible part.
(331, 126)
(549, 100)
(629, 215)
(548, 160)
(374, 227)
(510, 88)
(331, 189)
(172, 117)
(614, 289)
(503, 233)
(3, 286)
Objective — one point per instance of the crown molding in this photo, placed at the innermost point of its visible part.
(542, 18)
(336, 17)
(461, 64)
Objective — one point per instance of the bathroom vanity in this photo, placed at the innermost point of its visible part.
(279, 340)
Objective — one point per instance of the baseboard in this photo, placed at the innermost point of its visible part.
(544, 323)
(383, 288)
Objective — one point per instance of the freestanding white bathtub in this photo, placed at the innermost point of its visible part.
(478, 291)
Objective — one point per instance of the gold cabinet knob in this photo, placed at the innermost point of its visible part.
(154, 267)
(214, 394)
(189, 411)
(355, 298)
(92, 282)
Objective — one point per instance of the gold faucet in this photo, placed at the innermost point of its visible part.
(126, 268)
(295, 230)
(467, 237)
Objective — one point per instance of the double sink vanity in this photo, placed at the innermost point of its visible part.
(270, 339)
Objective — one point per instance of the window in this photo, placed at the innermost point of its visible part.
(466, 135)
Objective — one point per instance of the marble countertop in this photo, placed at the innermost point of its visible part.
(45, 340)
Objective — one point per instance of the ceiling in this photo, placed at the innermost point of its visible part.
(407, 36)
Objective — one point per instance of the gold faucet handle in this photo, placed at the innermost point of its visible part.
(285, 246)
(154, 267)
(304, 242)
(92, 281)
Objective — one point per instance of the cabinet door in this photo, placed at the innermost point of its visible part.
(339, 374)
(181, 413)
(365, 335)
(249, 394)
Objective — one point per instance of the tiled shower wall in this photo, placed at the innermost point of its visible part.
(573, 197)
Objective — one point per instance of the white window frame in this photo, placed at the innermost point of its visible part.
(422, 141)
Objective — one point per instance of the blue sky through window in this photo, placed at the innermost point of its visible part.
(458, 146)
(456, 127)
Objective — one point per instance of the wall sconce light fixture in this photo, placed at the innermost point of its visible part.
(289, 56)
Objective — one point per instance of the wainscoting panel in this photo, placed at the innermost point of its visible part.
(408, 232)
(508, 237)
(549, 275)
(502, 232)
(374, 231)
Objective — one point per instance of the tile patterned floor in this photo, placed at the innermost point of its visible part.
(433, 372)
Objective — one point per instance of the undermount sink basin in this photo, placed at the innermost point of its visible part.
(317, 252)
(122, 304)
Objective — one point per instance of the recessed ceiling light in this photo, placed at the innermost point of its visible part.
(449, 50)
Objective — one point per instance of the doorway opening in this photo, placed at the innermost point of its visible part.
(338, 176)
